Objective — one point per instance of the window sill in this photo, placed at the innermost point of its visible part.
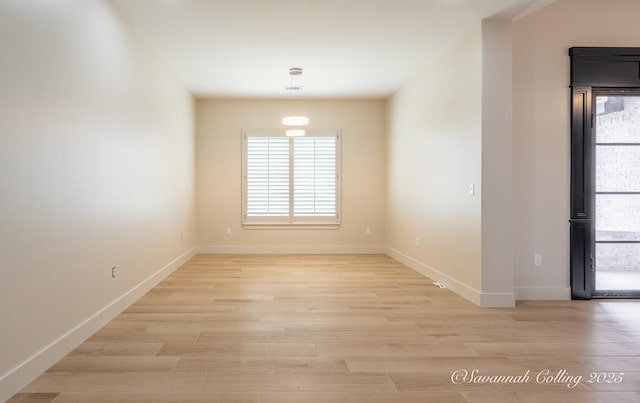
(294, 226)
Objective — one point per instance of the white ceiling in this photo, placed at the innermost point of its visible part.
(347, 48)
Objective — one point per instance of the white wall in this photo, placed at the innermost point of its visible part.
(434, 154)
(219, 154)
(541, 147)
(96, 170)
(497, 192)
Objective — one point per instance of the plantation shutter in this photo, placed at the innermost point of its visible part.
(314, 176)
(267, 177)
(291, 180)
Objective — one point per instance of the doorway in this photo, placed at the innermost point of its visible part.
(616, 150)
(605, 173)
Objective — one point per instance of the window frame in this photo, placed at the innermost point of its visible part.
(291, 221)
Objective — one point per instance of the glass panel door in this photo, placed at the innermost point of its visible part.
(617, 198)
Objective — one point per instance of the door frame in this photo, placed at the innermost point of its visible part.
(592, 69)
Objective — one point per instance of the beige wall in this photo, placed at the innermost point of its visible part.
(433, 148)
(541, 151)
(219, 154)
(96, 170)
(497, 234)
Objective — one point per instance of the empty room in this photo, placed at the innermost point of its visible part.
(297, 201)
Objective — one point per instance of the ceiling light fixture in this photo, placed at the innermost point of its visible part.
(295, 84)
(295, 89)
(294, 132)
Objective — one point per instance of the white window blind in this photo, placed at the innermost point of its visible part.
(314, 173)
(267, 177)
(291, 180)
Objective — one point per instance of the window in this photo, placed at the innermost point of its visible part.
(291, 180)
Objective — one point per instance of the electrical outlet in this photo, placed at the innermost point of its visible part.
(472, 189)
(228, 230)
(537, 260)
(114, 272)
(417, 242)
(367, 230)
(182, 237)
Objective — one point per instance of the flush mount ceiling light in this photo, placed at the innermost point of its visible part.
(295, 89)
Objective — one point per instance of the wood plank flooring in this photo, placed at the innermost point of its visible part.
(356, 328)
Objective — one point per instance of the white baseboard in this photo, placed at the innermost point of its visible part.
(497, 300)
(290, 249)
(19, 377)
(543, 293)
(488, 300)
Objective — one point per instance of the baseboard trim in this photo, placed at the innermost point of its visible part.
(497, 300)
(19, 377)
(289, 249)
(543, 293)
(485, 300)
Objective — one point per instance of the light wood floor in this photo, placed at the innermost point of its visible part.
(284, 329)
